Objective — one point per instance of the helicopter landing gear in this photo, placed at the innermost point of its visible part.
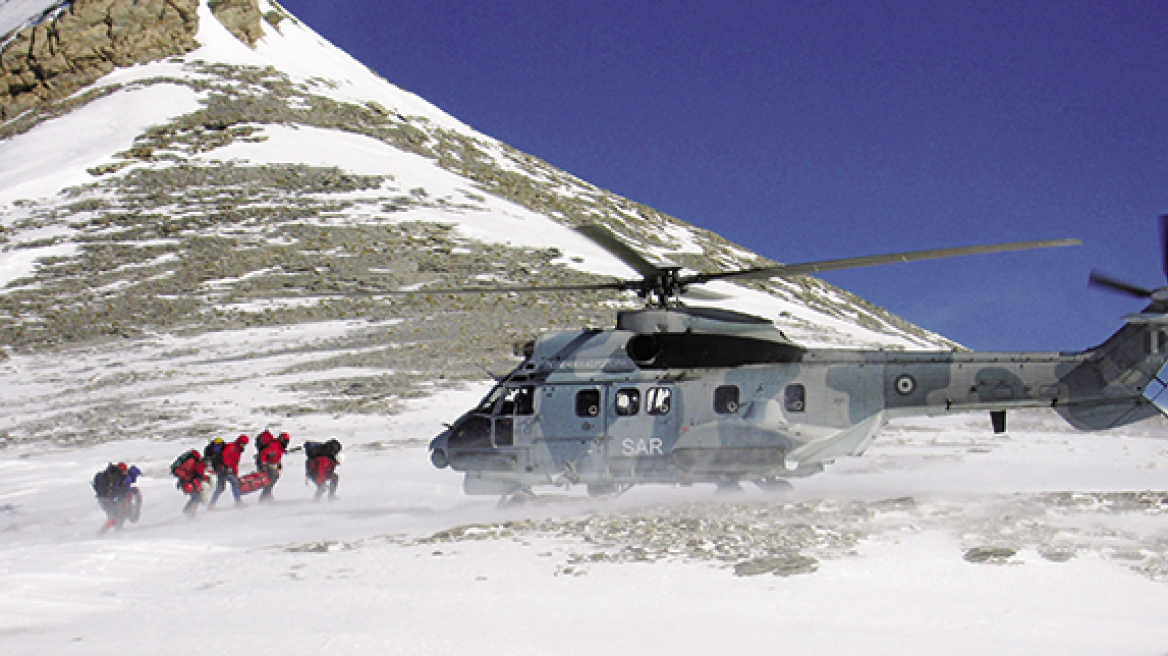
(520, 497)
(729, 485)
(773, 484)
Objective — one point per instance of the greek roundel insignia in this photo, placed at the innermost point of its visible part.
(905, 385)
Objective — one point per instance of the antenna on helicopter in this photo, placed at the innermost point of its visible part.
(493, 376)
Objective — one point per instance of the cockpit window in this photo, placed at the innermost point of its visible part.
(519, 401)
(504, 431)
(658, 400)
(475, 432)
(628, 401)
(488, 403)
(588, 403)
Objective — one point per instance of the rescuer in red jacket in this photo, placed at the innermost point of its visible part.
(191, 473)
(268, 460)
(320, 466)
(232, 453)
(262, 441)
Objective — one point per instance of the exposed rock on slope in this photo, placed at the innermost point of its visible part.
(80, 41)
(242, 18)
(86, 39)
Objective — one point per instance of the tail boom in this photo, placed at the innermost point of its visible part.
(1100, 388)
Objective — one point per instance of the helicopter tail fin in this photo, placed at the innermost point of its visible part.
(1110, 388)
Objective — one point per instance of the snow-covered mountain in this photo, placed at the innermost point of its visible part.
(179, 173)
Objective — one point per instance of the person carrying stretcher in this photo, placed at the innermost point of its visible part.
(227, 471)
(271, 452)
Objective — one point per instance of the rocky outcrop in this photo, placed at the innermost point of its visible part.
(240, 17)
(86, 40)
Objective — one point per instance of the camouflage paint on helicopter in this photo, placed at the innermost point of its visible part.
(722, 397)
(681, 395)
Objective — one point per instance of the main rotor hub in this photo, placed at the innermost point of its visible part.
(663, 289)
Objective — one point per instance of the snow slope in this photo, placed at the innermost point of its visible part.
(404, 563)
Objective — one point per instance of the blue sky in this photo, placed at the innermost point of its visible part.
(810, 130)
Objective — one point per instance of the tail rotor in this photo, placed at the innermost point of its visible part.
(1159, 296)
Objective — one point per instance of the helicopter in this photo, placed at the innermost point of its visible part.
(681, 395)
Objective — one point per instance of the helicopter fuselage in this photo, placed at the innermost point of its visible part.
(683, 396)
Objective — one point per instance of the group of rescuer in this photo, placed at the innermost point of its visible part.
(121, 501)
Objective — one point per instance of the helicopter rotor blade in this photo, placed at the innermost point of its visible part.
(1113, 284)
(1164, 243)
(659, 284)
(603, 238)
(788, 270)
(504, 289)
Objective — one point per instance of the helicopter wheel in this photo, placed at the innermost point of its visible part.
(773, 484)
(520, 497)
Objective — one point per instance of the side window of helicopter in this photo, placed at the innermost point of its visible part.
(628, 401)
(588, 403)
(726, 399)
(795, 398)
(658, 400)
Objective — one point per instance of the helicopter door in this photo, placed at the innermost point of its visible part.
(572, 411)
(514, 414)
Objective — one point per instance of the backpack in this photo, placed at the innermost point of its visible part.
(105, 481)
(178, 466)
(313, 449)
(319, 469)
(332, 448)
(213, 454)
